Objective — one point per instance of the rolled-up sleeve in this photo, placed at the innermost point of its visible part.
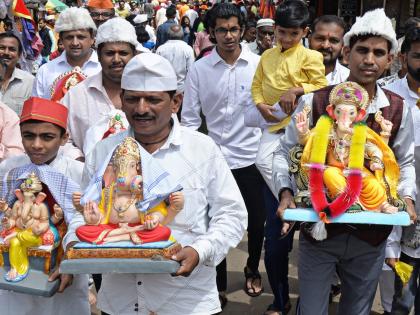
(227, 214)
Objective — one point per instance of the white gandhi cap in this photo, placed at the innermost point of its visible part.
(149, 72)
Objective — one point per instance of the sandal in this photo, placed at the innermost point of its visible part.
(253, 276)
(272, 310)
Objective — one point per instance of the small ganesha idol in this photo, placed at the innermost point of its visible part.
(117, 216)
(28, 224)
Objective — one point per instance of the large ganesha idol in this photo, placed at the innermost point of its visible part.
(345, 156)
(118, 217)
(32, 226)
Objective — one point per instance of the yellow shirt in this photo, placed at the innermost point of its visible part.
(280, 71)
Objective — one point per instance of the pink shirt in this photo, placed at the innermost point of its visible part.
(202, 40)
(10, 139)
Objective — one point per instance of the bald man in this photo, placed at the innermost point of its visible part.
(178, 53)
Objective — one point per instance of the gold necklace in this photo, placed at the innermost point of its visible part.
(122, 210)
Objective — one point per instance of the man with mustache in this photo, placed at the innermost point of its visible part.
(214, 216)
(357, 251)
(77, 33)
(403, 243)
(16, 84)
(326, 36)
(91, 100)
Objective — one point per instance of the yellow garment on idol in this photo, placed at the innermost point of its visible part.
(107, 200)
(18, 250)
(278, 71)
(373, 192)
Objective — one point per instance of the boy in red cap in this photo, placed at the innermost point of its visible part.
(43, 126)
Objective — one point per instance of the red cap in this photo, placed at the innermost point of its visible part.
(100, 4)
(36, 108)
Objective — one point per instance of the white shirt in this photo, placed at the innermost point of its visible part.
(223, 92)
(74, 300)
(51, 70)
(151, 31)
(213, 220)
(88, 103)
(181, 56)
(192, 15)
(394, 247)
(160, 17)
(338, 75)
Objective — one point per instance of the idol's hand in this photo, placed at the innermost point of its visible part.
(151, 221)
(77, 196)
(91, 213)
(176, 201)
(302, 123)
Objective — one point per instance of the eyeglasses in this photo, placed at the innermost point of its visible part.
(223, 31)
(104, 14)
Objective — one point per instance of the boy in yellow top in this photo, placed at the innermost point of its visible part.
(284, 73)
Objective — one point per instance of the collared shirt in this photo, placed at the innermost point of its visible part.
(87, 103)
(162, 32)
(280, 71)
(403, 146)
(338, 75)
(181, 57)
(18, 90)
(74, 297)
(223, 92)
(51, 70)
(401, 88)
(213, 220)
(10, 139)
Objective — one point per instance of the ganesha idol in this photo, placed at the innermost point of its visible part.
(33, 225)
(118, 215)
(344, 161)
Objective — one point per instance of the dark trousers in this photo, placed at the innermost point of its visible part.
(277, 250)
(251, 184)
(407, 296)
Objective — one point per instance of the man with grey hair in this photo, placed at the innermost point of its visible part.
(77, 33)
(178, 53)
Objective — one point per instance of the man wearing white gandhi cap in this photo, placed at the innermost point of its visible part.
(214, 217)
(77, 33)
(96, 100)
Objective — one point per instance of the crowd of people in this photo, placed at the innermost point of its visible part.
(212, 91)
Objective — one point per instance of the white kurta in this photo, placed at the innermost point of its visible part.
(213, 220)
(74, 300)
(87, 103)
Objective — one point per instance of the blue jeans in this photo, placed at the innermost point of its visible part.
(277, 250)
(407, 296)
